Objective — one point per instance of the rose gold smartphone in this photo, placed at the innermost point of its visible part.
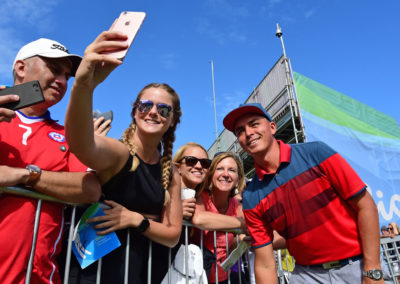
(129, 23)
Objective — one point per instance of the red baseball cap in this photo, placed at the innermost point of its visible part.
(243, 109)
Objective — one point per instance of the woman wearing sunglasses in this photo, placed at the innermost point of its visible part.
(393, 229)
(217, 209)
(139, 182)
(192, 162)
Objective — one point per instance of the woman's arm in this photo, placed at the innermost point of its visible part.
(102, 154)
(210, 221)
(166, 233)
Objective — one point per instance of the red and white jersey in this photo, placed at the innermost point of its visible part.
(39, 141)
(36, 140)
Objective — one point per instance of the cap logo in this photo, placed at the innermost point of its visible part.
(60, 47)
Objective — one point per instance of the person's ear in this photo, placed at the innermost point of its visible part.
(273, 127)
(20, 69)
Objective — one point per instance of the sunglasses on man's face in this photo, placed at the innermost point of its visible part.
(144, 106)
(192, 161)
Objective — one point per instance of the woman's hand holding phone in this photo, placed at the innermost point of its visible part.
(96, 64)
(107, 51)
(128, 23)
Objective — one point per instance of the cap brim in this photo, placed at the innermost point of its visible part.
(75, 60)
(231, 118)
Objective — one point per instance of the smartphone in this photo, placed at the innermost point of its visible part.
(108, 115)
(29, 93)
(129, 23)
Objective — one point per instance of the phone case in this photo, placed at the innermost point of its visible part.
(129, 23)
(29, 93)
(108, 115)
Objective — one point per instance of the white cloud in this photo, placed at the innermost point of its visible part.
(234, 36)
(204, 27)
(225, 101)
(225, 8)
(8, 50)
(309, 13)
(31, 15)
(168, 61)
(30, 12)
(228, 101)
(231, 16)
(229, 34)
(273, 2)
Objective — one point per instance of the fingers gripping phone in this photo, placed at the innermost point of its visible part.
(29, 93)
(108, 115)
(128, 23)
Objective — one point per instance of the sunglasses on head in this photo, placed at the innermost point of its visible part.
(144, 106)
(192, 161)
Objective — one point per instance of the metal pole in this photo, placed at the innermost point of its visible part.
(289, 82)
(127, 256)
(34, 239)
(70, 236)
(215, 107)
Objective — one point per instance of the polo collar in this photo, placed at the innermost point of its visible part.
(284, 157)
(33, 119)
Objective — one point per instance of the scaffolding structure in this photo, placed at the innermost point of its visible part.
(276, 93)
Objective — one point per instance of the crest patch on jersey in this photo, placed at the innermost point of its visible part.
(58, 137)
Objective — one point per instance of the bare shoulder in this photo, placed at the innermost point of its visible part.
(114, 156)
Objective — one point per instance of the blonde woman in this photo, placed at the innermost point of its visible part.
(217, 209)
(138, 179)
(192, 162)
(393, 229)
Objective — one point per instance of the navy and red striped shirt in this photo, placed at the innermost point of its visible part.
(305, 201)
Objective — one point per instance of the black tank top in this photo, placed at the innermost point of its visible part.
(140, 191)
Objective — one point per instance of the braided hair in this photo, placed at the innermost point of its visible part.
(167, 141)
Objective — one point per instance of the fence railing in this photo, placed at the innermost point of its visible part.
(186, 225)
(391, 256)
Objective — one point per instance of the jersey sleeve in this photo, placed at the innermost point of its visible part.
(75, 165)
(342, 176)
(260, 232)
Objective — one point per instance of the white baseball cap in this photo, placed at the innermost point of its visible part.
(48, 48)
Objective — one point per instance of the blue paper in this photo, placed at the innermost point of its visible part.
(87, 246)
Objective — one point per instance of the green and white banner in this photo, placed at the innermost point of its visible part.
(368, 139)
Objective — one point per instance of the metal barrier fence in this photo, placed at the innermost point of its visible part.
(391, 256)
(243, 262)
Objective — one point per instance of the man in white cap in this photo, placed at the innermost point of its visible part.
(34, 153)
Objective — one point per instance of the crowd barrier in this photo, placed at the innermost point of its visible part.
(245, 263)
(391, 256)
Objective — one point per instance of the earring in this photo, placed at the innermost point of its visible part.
(236, 191)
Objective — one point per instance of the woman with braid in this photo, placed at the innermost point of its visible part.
(139, 181)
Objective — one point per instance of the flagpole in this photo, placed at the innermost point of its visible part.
(215, 107)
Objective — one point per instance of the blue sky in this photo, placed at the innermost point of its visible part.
(350, 46)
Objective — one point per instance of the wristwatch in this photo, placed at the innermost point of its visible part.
(143, 225)
(34, 175)
(374, 274)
